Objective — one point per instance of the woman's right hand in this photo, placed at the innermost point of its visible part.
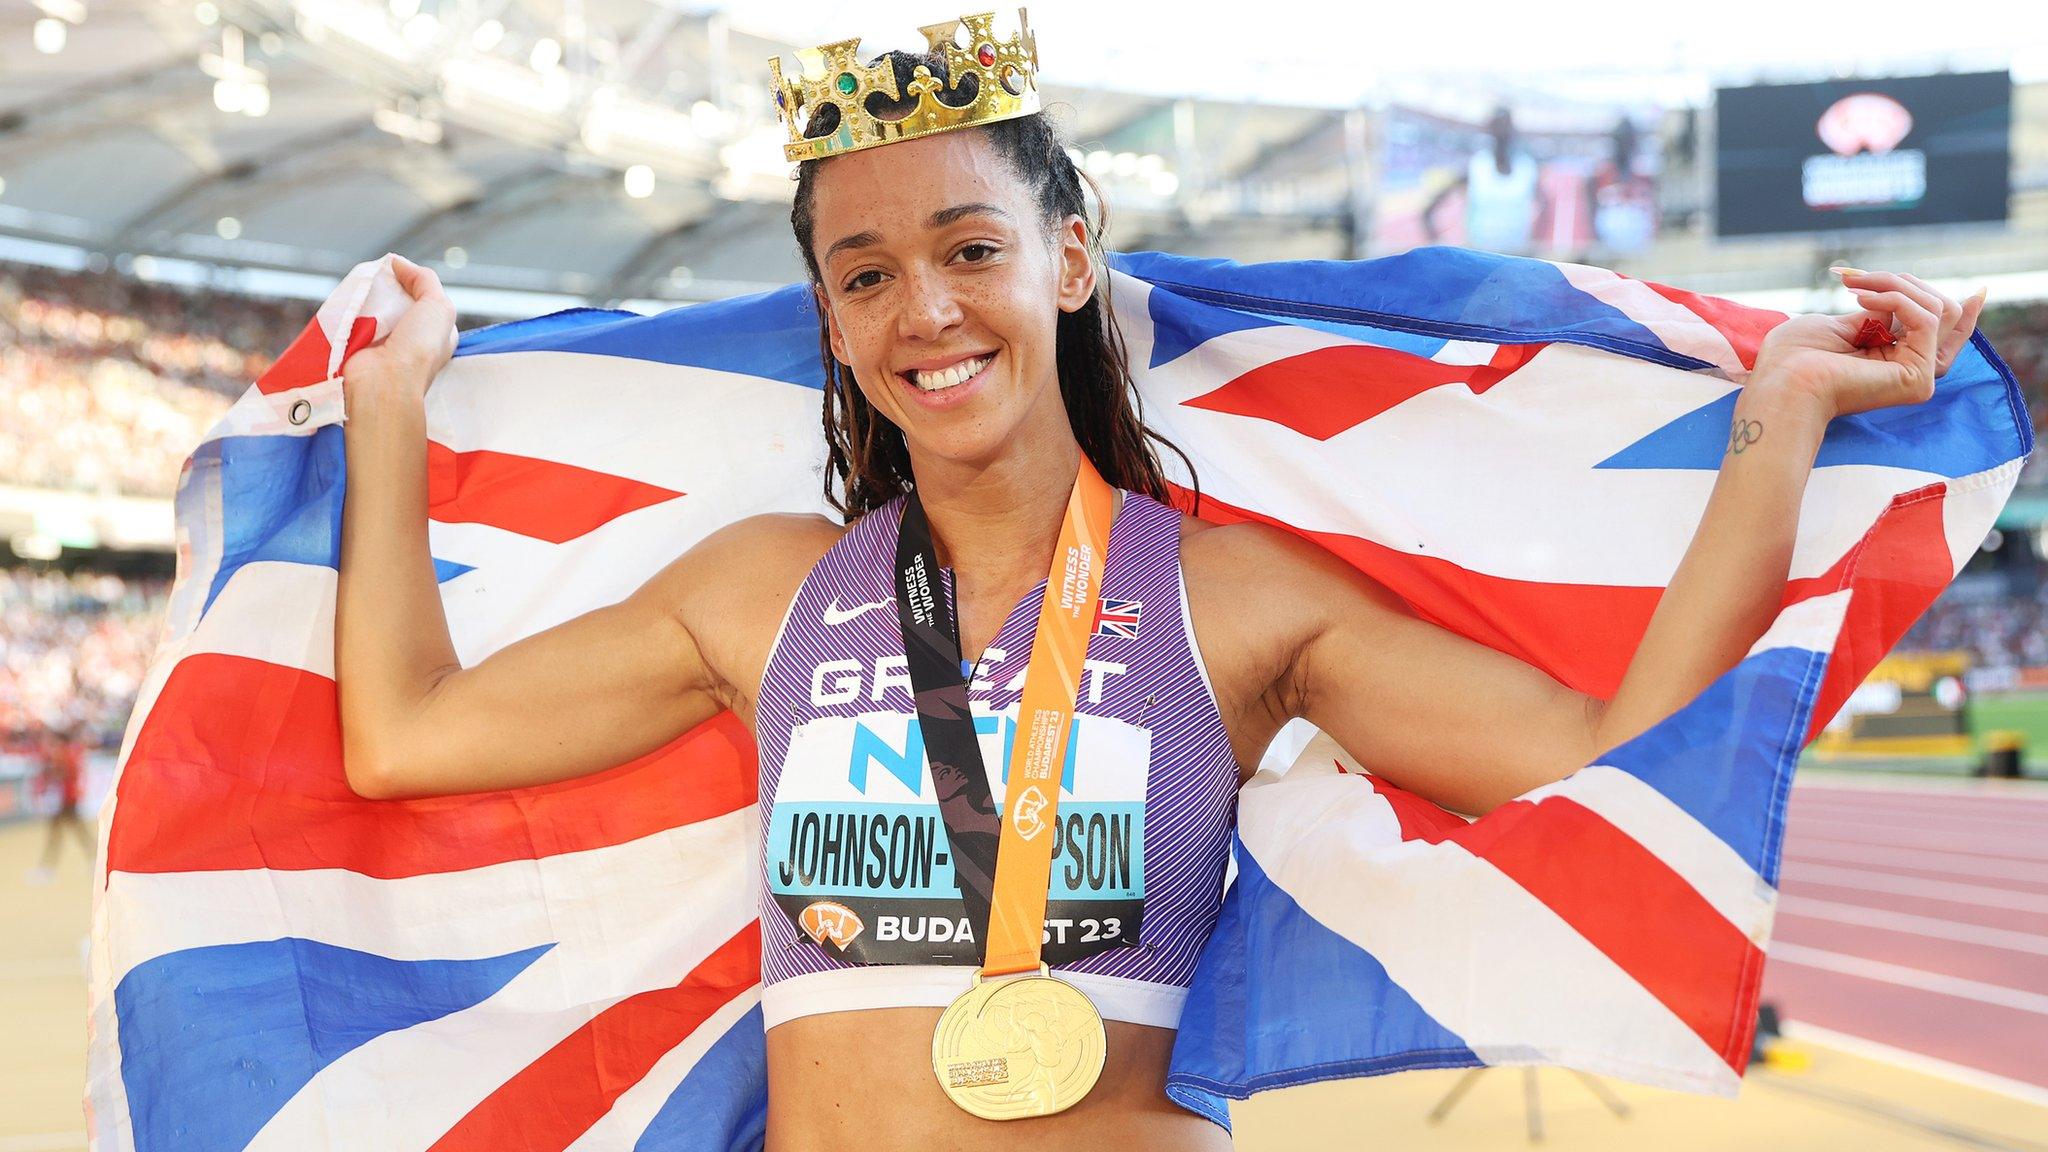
(418, 346)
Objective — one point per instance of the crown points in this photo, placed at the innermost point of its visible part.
(989, 80)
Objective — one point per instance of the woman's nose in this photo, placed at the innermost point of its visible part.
(930, 306)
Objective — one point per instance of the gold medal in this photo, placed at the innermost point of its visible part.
(1014, 1047)
(1020, 1043)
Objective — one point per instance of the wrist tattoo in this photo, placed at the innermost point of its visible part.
(1742, 434)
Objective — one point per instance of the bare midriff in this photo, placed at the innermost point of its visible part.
(864, 1080)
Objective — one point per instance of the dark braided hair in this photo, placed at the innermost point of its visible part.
(869, 461)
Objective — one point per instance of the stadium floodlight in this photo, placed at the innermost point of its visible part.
(483, 80)
(407, 124)
(487, 35)
(238, 85)
(206, 13)
(421, 30)
(228, 228)
(546, 55)
(50, 34)
(456, 256)
(640, 181)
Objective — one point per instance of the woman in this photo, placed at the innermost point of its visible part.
(973, 365)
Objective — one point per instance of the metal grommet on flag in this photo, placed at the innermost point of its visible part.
(301, 411)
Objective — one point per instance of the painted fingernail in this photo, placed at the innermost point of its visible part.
(1845, 270)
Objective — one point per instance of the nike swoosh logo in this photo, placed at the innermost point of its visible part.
(836, 615)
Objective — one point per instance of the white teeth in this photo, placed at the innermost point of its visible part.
(948, 377)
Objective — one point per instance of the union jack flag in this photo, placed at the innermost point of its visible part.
(1115, 617)
(1519, 449)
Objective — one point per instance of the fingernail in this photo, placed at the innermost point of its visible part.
(1845, 270)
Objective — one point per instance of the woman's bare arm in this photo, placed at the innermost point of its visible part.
(589, 694)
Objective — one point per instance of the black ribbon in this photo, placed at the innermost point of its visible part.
(938, 681)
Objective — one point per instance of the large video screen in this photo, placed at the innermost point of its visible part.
(1845, 154)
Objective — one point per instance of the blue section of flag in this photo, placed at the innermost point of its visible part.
(719, 1106)
(280, 499)
(1180, 325)
(1965, 429)
(1451, 293)
(215, 1040)
(1727, 757)
(1269, 967)
(771, 334)
(446, 570)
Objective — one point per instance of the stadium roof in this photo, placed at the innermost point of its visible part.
(624, 150)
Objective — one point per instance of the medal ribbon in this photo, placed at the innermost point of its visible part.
(1005, 874)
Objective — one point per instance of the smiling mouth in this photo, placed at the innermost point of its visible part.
(952, 376)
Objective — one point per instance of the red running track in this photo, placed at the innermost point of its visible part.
(1917, 916)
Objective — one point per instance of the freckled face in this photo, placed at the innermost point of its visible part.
(942, 290)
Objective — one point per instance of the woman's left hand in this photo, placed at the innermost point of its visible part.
(1815, 356)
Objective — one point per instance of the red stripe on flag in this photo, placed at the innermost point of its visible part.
(1625, 901)
(1744, 327)
(1897, 570)
(1581, 634)
(305, 362)
(1419, 819)
(533, 497)
(1333, 390)
(551, 1102)
(239, 766)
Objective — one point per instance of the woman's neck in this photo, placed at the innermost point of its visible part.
(996, 524)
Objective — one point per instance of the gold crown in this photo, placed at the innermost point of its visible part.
(1006, 87)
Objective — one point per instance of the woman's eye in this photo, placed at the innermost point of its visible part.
(860, 280)
(986, 251)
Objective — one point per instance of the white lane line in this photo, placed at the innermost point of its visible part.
(1956, 824)
(1915, 1062)
(1939, 983)
(1834, 910)
(1948, 890)
(1885, 786)
(1927, 860)
(1972, 845)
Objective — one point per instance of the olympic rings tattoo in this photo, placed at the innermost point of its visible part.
(1742, 434)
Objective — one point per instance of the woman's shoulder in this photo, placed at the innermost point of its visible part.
(757, 546)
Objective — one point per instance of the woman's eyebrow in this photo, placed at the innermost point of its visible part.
(939, 219)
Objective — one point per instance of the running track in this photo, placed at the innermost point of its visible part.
(1917, 916)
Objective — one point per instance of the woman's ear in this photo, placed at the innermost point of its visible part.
(1077, 265)
(832, 333)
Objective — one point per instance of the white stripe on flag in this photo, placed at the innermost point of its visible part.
(637, 1106)
(726, 438)
(1522, 497)
(1717, 872)
(621, 897)
(1812, 624)
(405, 1089)
(257, 413)
(1532, 975)
(1971, 506)
(1680, 328)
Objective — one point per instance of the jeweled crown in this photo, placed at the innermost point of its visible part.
(1005, 86)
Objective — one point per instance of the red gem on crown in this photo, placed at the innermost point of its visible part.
(986, 54)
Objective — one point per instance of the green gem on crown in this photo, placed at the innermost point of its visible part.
(847, 83)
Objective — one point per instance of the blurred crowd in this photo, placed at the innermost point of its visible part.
(2020, 333)
(73, 650)
(2005, 632)
(107, 382)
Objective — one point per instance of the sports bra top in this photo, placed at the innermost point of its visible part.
(858, 905)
